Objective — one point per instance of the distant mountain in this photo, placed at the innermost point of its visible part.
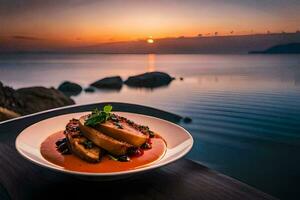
(291, 48)
(240, 44)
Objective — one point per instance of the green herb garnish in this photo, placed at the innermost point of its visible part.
(107, 109)
(112, 157)
(98, 116)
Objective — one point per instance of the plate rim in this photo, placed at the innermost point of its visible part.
(106, 174)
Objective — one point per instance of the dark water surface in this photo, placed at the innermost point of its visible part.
(245, 108)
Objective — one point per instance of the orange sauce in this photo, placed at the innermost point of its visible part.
(71, 162)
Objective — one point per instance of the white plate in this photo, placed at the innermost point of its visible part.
(28, 142)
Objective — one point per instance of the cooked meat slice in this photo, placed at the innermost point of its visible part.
(83, 148)
(123, 129)
(106, 142)
(79, 145)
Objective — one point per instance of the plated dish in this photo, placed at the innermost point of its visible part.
(103, 143)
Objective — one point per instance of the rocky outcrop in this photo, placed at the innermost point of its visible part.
(36, 99)
(30, 100)
(70, 88)
(291, 48)
(149, 80)
(113, 82)
(9, 98)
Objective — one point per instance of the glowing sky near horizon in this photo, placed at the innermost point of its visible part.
(90, 21)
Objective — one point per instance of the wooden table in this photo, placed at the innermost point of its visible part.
(184, 179)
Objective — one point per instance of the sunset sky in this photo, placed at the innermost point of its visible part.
(85, 22)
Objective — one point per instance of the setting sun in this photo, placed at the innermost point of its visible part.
(150, 41)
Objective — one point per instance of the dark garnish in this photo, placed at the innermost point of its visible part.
(87, 144)
(130, 122)
(72, 125)
(146, 145)
(98, 117)
(72, 128)
(114, 118)
(118, 125)
(62, 147)
(60, 141)
(66, 152)
(151, 134)
(141, 127)
(124, 159)
(135, 152)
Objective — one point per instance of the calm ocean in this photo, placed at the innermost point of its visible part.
(245, 108)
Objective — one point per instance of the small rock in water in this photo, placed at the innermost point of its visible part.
(89, 89)
(70, 88)
(149, 80)
(113, 82)
(187, 120)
